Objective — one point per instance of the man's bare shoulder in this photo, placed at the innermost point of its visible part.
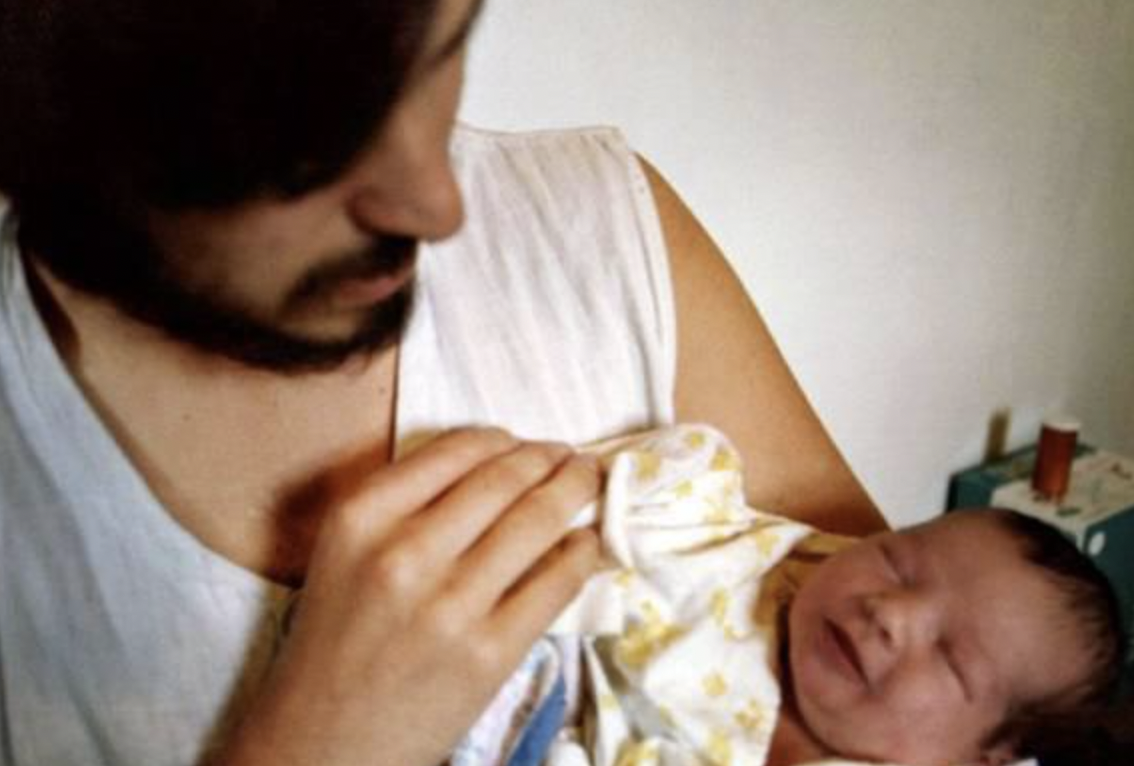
(731, 374)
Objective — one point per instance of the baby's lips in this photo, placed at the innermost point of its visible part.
(849, 651)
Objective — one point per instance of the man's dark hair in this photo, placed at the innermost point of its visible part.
(174, 104)
(1035, 727)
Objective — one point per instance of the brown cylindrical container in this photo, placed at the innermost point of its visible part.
(1052, 474)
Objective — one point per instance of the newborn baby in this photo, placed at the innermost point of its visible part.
(725, 636)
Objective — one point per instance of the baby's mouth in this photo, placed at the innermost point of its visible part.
(847, 649)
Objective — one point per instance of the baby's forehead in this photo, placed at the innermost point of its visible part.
(984, 555)
(986, 525)
(977, 554)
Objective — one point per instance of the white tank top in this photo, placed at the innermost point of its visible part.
(123, 640)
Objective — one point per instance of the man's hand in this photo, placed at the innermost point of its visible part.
(426, 588)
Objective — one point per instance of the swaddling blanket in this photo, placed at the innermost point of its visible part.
(669, 658)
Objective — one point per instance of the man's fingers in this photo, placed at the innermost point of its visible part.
(389, 494)
(443, 532)
(532, 526)
(413, 552)
(386, 627)
(525, 612)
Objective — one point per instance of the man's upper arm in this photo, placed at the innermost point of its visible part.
(731, 375)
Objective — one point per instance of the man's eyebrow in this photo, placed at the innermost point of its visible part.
(459, 38)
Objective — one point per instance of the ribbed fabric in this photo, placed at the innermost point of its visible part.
(125, 641)
(551, 313)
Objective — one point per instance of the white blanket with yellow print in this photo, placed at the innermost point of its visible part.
(680, 661)
(679, 637)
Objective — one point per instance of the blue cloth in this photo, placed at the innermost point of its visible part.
(541, 729)
(532, 706)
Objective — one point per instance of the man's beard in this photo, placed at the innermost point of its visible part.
(125, 268)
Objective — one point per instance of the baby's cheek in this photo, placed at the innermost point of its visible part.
(921, 725)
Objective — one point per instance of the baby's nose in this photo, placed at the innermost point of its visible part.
(903, 617)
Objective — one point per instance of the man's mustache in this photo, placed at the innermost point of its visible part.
(386, 257)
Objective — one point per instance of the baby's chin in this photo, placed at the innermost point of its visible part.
(832, 738)
(815, 698)
(798, 707)
(838, 717)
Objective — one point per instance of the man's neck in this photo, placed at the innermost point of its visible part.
(236, 455)
(83, 325)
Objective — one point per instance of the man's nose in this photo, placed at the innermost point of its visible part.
(409, 188)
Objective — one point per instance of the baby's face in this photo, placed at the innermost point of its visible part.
(912, 646)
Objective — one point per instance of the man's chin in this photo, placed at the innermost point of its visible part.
(302, 356)
(289, 351)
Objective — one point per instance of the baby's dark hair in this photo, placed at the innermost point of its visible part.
(1035, 727)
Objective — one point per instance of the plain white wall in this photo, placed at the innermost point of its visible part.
(932, 203)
